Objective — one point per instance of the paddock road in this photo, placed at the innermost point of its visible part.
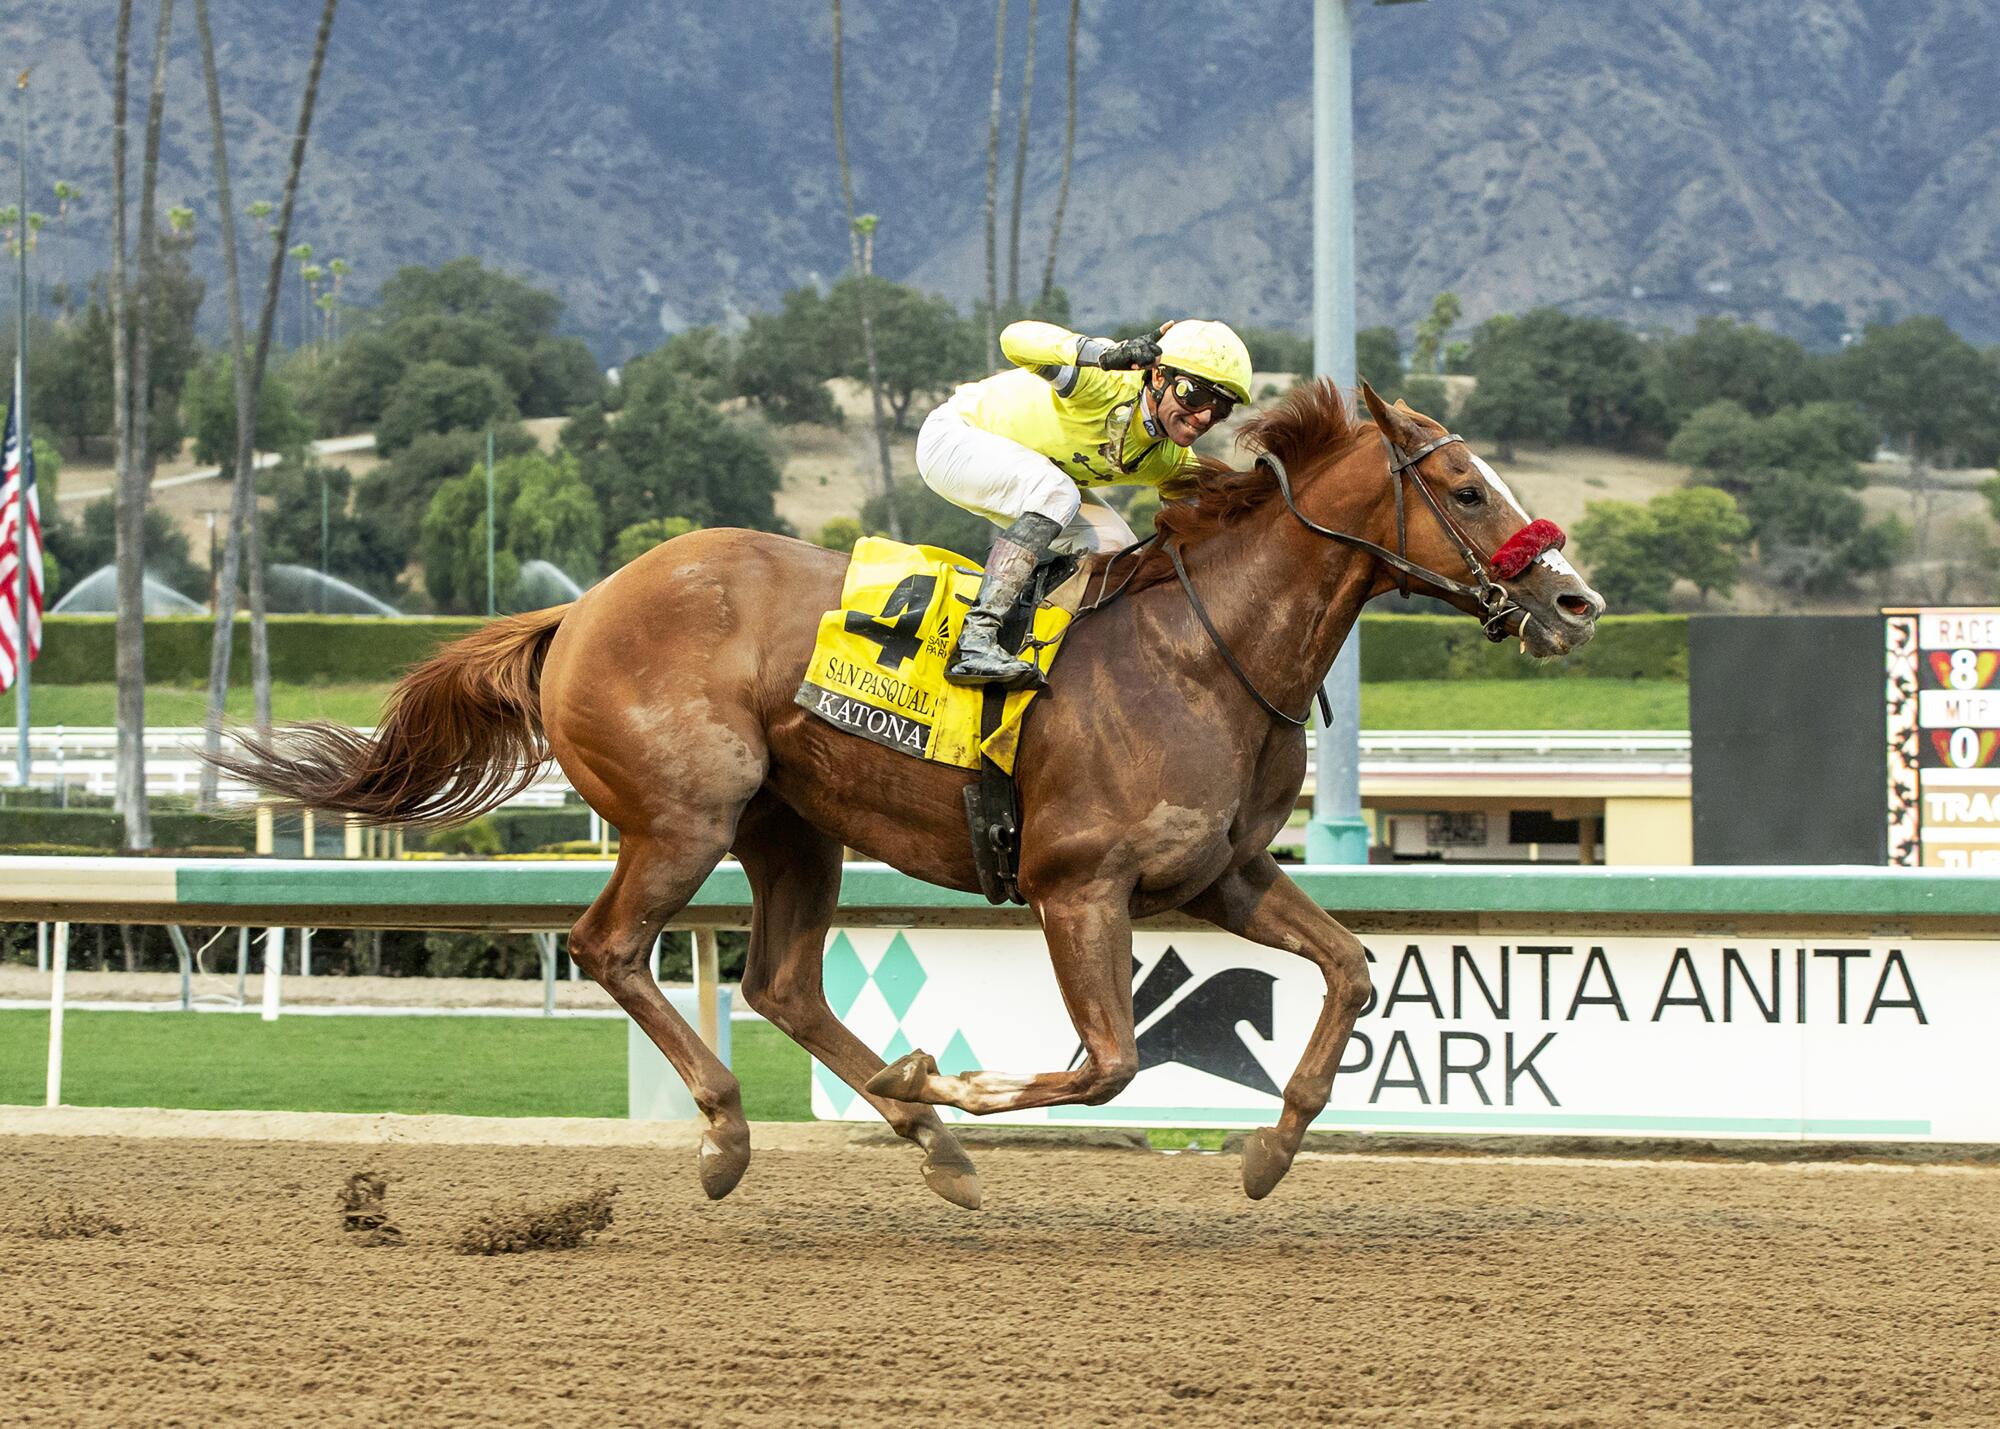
(1098, 1287)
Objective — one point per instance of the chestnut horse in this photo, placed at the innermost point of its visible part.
(1154, 774)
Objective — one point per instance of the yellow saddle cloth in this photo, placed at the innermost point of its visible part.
(878, 664)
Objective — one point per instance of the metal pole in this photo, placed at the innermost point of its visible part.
(489, 521)
(1337, 833)
(323, 525)
(23, 759)
(274, 971)
(57, 989)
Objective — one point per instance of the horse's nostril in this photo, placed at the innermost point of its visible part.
(1577, 607)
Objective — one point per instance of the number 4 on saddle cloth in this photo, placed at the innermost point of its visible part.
(878, 663)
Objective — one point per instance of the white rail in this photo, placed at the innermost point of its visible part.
(85, 759)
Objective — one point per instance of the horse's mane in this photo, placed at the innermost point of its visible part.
(1311, 422)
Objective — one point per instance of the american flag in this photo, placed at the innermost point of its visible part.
(11, 472)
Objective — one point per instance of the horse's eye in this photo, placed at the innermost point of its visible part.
(1469, 496)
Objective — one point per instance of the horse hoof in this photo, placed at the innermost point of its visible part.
(949, 1172)
(903, 1079)
(722, 1160)
(1265, 1162)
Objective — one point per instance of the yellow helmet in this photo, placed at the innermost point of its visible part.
(1209, 350)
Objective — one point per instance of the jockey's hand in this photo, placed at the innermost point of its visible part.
(1134, 352)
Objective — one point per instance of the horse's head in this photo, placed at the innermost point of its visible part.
(1461, 522)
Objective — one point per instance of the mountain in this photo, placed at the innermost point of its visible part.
(1809, 164)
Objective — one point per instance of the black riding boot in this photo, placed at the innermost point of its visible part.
(979, 658)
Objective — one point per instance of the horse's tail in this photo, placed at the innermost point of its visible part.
(461, 734)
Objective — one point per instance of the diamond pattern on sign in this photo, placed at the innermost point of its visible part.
(900, 976)
(837, 1091)
(899, 1046)
(958, 1056)
(843, 975)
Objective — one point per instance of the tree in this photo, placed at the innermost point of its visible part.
(211, 415)
(861, 251)
(922, 346)
(929, 519)
(1378, 358)
(671, 454)
(1021, 165)
(636, 540)
(1069, 153)
(1622, 542)
(1929, 387)
(1701, 536)
(1597, 368)
(784, 359)
(1514, 403)
(242, 543)
(1432, 329)
(438, 397)
(130, 347)
(702, 359)
(362, 545)
(400, 489)
(1724, 360)
(542, 511)
(465, 287)
(992, 352)
(91, 543)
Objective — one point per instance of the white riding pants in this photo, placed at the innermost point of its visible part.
(998, 478)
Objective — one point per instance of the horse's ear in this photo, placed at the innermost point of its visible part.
(1394, 422)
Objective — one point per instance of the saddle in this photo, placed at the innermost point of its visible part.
(877, 670)
(992, 802)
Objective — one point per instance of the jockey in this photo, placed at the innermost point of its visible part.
(1020, 447)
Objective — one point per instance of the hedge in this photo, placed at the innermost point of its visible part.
(310, 649)
(514, 830)
(305, 649)
(1452, 647)
(105, 829)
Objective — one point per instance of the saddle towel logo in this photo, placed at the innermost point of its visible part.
(878, 663)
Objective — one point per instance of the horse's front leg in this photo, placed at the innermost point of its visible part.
(1090, 944)
(1258, 902)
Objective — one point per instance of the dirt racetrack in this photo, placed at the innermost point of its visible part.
(1096, 1287)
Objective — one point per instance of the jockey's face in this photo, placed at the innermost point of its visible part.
(1182, 427)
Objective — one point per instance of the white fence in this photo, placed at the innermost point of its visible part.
(86, 759)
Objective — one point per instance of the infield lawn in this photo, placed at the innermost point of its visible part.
(467, 1066)
(1399, 704)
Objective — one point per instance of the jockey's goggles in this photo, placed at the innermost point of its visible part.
(1196, 395)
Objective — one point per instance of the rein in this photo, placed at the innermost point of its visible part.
(1496, 604)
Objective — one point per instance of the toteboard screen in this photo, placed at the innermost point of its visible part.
(1944, 737)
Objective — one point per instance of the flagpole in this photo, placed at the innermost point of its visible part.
(23, 760)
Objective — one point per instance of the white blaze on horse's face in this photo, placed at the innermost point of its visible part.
(1562, 613)
(1500, 488)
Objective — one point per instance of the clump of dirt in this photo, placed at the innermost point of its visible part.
(560, 1227)
(67, 1221)
(364, 1214)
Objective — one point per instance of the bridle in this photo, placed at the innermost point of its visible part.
(1497, 606)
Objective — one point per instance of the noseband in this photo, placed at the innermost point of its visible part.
(1497, 606)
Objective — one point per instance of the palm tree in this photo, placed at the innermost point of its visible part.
(66, 194)
(303, 252)
(993, 187)
(861, 248)
(340, 268)
(1069, 150)
(249, 376)
(1021, 166)
(130, 526)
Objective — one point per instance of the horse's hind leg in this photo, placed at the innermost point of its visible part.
(613, 941)
(794, 873)
(1089, 932)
